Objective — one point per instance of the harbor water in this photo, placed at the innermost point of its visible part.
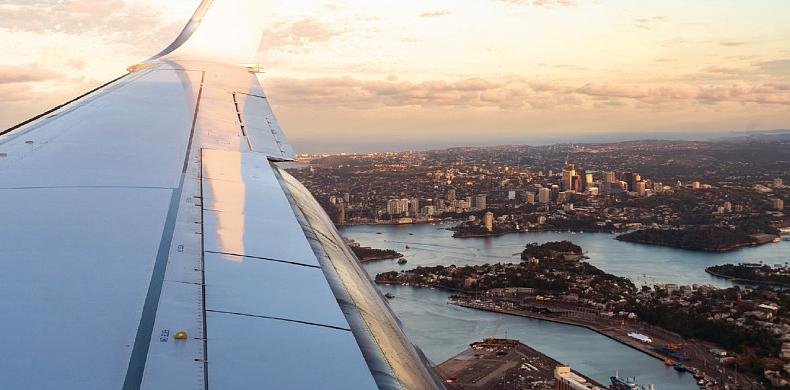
(442, 330)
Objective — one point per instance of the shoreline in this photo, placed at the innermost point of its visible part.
(746, 281)
(612, 334)
(707, 250)
(563, 321)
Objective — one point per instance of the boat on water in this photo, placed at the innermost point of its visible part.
(680, 367)
(408, 247)
(624, 383)
(669, 362)
(402, 261)
(389, 295)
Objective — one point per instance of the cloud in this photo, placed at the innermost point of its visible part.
(540, 3)
(724, 70)
(433, 14)
(710, 94)
(508, 94)
(112, 18)
(731, 43)
(12, 93)
(647, 22)
(299, 33)
(25, 73)
(776, 67)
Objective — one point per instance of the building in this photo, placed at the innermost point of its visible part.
(588, 179)
(530, 197)
(641, 188)
(341, 213)
(568, 380)
(488, 221)
(414, 206)
(778, 183)
(511, 195)
(544, 195)
(727, 207)
(778, 204)
(567, 177)
(451, 195)
(429, 210)
(480, 202)
(564, 196)
(397, 206)
(695, 185)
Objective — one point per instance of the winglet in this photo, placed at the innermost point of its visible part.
(226, 31)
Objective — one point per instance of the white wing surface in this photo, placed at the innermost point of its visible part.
(149, 241)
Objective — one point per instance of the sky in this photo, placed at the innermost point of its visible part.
(358, 75)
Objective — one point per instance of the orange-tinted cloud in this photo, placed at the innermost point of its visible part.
(25, 73)
(513, 93)
(297, 34)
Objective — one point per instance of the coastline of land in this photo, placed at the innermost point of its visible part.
(698, 239)
(697, 352)
(554, 283)
(493, 363)
(756, 274)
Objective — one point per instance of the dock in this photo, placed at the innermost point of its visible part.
(494, 364)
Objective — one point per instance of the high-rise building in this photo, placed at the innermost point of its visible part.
(480, 202)
(609, 177)
(608, 181)
(632, 178)
(544, 195)
(414, 206)
(778, 204)
(641, 188)
(576, 183)
(341, 213)
(588, 179)
(567, 177)
(397, 206)
(488, 221)
(530, 197)
(511, 195)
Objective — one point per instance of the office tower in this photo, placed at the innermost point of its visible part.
(576, 183)
(567, 177)
(488, 221)
(480, 202)
(641, 188)
(341, 213)
(530, 197)
(414, 206)
(544, 195)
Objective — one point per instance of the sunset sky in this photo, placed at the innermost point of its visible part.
(387, 75)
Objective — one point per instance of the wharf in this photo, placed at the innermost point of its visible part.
(700, 359)
(494, 364)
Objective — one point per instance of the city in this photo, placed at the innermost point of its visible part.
(688, 196)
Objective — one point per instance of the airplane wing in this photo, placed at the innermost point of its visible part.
(150, 240)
